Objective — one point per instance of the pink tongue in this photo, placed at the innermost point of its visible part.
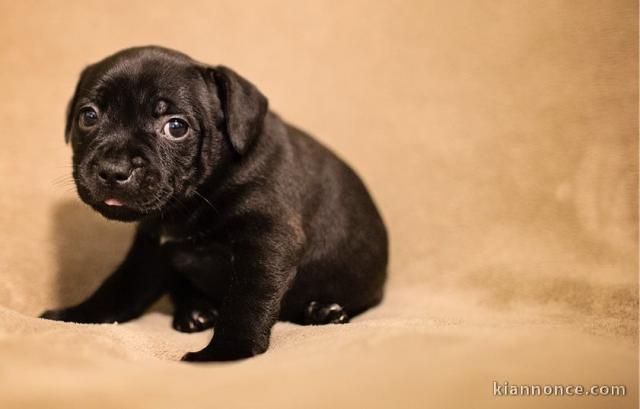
(113, 202)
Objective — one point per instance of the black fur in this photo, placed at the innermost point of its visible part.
(243, 221)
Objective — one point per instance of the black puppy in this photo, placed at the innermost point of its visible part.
(242, 218)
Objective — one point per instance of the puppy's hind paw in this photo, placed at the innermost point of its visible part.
(321, 314)
(194, 320)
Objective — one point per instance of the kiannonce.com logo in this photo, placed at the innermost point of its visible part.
(509, 389)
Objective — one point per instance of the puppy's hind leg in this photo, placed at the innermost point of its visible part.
(193, 311)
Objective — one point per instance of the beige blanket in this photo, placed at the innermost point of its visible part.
(499, 139)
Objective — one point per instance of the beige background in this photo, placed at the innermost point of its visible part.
(499, 139)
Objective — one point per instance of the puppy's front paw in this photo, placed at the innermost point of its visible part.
(55, 315)
(207, 355)
(194, 320)
(200, 356)
(225, 352)
(80, 315)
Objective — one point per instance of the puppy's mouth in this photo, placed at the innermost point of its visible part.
(125, 205)
(113, 202)
(127, 210)
(117, 209)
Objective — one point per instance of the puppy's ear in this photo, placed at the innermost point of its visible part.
(244, 108)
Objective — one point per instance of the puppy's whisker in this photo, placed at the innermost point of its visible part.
(205, 200)
(63, 182)
(183, 209)
(64, 176)
(65, 187)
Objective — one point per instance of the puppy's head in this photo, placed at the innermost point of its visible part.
(148, 126)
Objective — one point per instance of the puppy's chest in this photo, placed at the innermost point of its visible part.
(202, 259)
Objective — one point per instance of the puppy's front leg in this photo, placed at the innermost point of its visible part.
(137, 283)
(264, 267)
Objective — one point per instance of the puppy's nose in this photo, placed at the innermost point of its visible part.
(114, 171)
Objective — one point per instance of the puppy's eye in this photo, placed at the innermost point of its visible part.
(88, 118)
(176, 128)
